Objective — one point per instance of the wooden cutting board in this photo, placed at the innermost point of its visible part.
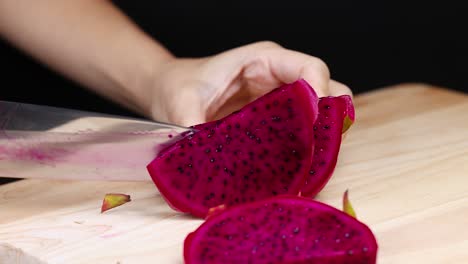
(405, 162)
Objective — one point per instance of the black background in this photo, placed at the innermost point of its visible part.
(365, 45)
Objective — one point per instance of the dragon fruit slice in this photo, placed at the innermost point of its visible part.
(334, 114)
(281, 229)
(264, 149)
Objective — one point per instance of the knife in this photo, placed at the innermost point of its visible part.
(47, 142)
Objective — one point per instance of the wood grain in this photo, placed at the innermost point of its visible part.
(405, 163)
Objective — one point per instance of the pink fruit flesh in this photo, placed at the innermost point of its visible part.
(281, 229)
(264, 149)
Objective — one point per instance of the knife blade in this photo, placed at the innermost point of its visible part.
(38, 141)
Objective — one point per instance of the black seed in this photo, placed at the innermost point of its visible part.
(263, 122)
(244, 162)
(298, 167)
(207, 150)
(281, 168)
(275, 103)
(217, 167)
(267, 106)
(311, 172)
(237, 125)
(190, 144)
(327, 107)
(225, 169)
(293, 151)
(258, 140)
(292, 136)
(187, 195)
(289, 100)
(326, 127)
(296, 230)
(274, 192)
(246, 177)
(315, 127)
(180, 169)
(212, 160)
(190, 165)
(210, 179)
(254, 109)
(223, 196)
(208, 136)
(251, 136)
(225, 182)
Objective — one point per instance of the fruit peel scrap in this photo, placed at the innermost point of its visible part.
(347, 207)
(347, 123)
(112, 200)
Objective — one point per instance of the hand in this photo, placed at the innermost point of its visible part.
(193, 91)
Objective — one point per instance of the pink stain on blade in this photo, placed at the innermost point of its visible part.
(117, 156)
(37, 155)
(43, 156)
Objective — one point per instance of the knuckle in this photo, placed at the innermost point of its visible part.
(320, 66)
(267, 44)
